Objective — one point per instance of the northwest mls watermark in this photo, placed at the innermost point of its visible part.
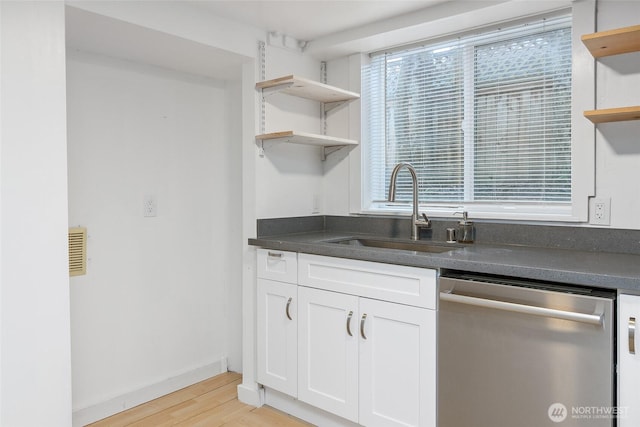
(558, 412)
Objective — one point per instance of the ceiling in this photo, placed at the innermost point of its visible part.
(87, 32)
(304, 20)
(308, 20)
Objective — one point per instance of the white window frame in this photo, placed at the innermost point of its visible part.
(582, 140)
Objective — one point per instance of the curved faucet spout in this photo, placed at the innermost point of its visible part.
(394, 177)
(416, 223)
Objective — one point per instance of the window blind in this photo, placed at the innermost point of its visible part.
(483, 118)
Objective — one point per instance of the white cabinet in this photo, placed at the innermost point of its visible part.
(328, 351)
(354, 338)
(397, 365)
(370, 361)
(628, 360)
(278, 336)
(277, 325)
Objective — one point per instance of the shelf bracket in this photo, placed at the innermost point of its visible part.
(274, 89)
(328, 106)
(328, 150)
(264, 146)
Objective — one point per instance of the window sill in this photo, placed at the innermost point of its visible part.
(529, 213)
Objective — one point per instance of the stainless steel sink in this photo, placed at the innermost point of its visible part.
(400, 245)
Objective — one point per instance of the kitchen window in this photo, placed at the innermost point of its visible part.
(485, 119)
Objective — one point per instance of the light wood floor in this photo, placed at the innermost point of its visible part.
(210, 403)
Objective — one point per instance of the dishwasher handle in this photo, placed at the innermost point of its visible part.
(591, 319)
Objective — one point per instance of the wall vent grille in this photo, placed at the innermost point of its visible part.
(77, 251)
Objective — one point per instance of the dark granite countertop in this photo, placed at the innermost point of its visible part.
(571, 266)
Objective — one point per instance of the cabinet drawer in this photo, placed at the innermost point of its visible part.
(277, 265)
(394, 283)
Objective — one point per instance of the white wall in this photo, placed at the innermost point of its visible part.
(236, 241)
(180, 19)
(193, 24)
(286, 181)
(35, 371)
(342, 168)
(155, 301)
(289, 176)
(617, 144)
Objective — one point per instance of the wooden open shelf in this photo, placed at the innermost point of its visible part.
(613, 114)
(614, 42)
(330, 97)
(607, 43)
(305, 88)
(305, 138)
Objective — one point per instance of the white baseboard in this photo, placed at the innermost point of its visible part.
(306, 412)
(90, 414)
(251, 394)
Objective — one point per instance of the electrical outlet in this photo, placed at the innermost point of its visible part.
(601, 211)
(150, 206)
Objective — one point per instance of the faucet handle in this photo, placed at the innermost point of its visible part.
(423, 223)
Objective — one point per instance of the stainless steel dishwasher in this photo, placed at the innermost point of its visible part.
(514, 353)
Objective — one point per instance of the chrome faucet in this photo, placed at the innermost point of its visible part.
(416, 224)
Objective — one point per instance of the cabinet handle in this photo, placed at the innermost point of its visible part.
(349, 323)
(287, 309)
(364, 317)
(632, 335)
(274, 254)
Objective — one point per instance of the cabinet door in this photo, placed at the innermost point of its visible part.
(277, 336)
(397, 365)
(328, 351)
(628, 360)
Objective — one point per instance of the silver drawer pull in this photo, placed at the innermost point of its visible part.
(349, 323)
(591, 319)
(287, 309)
(632, 335)
(364, 318)
(274, 254)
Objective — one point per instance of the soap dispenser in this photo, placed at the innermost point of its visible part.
(466, 231)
